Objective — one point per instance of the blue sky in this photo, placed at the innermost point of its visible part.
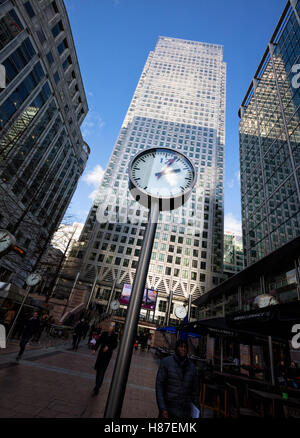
(113, 39)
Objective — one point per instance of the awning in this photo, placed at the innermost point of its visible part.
(276, 321)
(167, 329)
(219, 327)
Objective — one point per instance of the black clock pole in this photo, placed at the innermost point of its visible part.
(121, 370)
(17, 315)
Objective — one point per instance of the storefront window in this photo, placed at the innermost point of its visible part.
(217, 308)
(231, 302)
(250, 291)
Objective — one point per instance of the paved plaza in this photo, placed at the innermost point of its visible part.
(52, 381)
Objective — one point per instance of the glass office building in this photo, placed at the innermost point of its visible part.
(269, 133)
(179, 103)
(42, 153)
(233, 253)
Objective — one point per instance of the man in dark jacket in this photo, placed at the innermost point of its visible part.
(177, 384)
(31, 327)
(107, 342)
(78, 333)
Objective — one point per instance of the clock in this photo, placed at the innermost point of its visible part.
(180, 312)
(265, 300)
(114, 305)
(33, 279)
(161, 174)
(7, 241)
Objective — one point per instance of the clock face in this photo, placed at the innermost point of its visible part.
(265, 300)
(162, 173)
(7, 240)
(114, 305)
(33, 279)
(180, 312)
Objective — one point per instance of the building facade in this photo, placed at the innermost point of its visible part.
(179, 103)
(233, 253)
(42, 152)
(269, 133)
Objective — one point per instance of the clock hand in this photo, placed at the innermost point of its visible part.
(3, 238)
(169, 162)
(163, 172)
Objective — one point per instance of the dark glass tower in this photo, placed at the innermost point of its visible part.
(269, 133)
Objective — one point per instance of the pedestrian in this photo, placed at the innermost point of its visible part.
(282, 373)
(143, 341)
(91, 332)
(293, 375)
(43, 325)
(85, 329)
(77, 335)
(107, 342)
(31, 327)
(149, 342)
(93, 340)
(177, 384)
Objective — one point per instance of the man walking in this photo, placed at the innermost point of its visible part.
(78, 332)
(107, 342)
(177, 384)
(31, 327)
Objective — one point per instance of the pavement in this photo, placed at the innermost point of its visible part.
(52, 381)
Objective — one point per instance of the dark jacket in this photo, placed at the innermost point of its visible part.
(111, 341)
(79, 329)
(31, 327)
(176, 386)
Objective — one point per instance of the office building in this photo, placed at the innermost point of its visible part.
(233, 253)
(179, 103)
(269, 143)
(42, 152)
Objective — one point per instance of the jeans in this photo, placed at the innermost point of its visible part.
(23, 342)
(76, 340)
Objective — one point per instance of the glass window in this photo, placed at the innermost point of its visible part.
(10, 26)
(283, 285)
(62, 46)
(29, 9)
(50, 58)
(56, 77)
(57, 29)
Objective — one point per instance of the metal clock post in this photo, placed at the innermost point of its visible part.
(160, 179)
(32, 280)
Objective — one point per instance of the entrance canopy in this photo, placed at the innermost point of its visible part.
(167, 329)
(253, 326)
(276, 321)
(175, 330)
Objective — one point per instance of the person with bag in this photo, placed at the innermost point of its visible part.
(107, 342)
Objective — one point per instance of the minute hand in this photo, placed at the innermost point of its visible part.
(165, 171)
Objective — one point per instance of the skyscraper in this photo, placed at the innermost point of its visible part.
(42, 152)
(179, 103)
(269, 143)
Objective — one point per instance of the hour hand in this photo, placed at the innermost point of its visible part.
(164, 171)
